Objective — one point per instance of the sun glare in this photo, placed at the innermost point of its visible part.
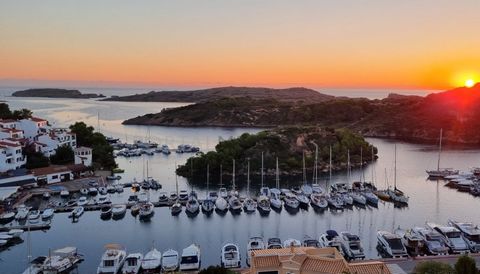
(469, 83)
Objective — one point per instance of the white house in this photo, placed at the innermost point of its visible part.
(8, 123)
(48, 143)
(11, 156)
(52, 174)
(32, 127)
(83, 155)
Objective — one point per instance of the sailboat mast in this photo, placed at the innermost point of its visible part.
(348, 167)
(248, 177)
(361, 165)
(315, 168)
(262, 170)
(440, 149)
(208, 177)
(176, 179)
(395, 170)
(233, 174)
(304, 173)
(277, 178)
(329, 169)
(373, 168)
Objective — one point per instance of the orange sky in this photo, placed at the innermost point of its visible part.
(430, 44)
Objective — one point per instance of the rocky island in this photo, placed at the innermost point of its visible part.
(286, 143)
(55, 93)
(413, 118)
(296, 94)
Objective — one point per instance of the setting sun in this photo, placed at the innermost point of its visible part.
(469, 83)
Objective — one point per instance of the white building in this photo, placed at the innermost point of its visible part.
(8, 123)
(11, 156)
(32, 127)
(48, 143)
(83, 155)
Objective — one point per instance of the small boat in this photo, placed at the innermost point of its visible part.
(61, 261)
(221, 204)
(135, 209)
(249, 205)
(352, 247)
(132, 199)
(82, 201)
(71, 203)
(106, 212)
(46, 195)
(92, 191)
(331, 239)
(255, 243)
(102, 190)
(291, 243)
(234, 204)
(183, 197)
(64, 194)
(111, 189)
(119, 188)
(335, 201)
(113, 177)
(208, 205)
(176, 208)
(146, 211)
(190, 259)
(318, 201)
(230, 257)
(213, 195)
(47, 213)
(275, 201)
(5, 237)
(132, 263)
(263, 204)
(163, 198)
(316, 188)
(310, 242)
(77, 212)
(35, 265)
(151, 261)
(15, 233)
(370, 197)
(34, 215)
(358, 198)
(391, 244)
(22, 213)
(170, 261)
(223, 193)
(84, 191)
(274, 243)
(118, 211)
(291, 201)
(303, 200)
(433, 243)
(173, 197)
(470, 234)
(192, 206)
(112, 260)
(135, 186)
(452, 238)
(103, 199)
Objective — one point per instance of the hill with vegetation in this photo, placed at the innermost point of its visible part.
(286, 143)
(55, 93)
(297, 94)
(413, 118)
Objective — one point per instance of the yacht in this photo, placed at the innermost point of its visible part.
(111, 189)
(433, 243)
(119, 188)
(391, 244)
(249, 205)
(118, 211)
(106, 212)
(303, 200)
(77, 212)
(132, 263)
(192, 206)
(234, 204)
(151, 261)
(112, 260)
(310, 242)
(275, 200)
(413, 242)
(213, 195)
(274, 243)
(170, 261)
(103, 199)
(470, 234)
(102, 190)
(221, 204)
(331, 239)
(335, 201)
(208, 205)
(352, 247)
(263, 205)
(291, 242)
(61, 260)
(173, 197)
(176, 208)
(255, 243)
(183, 196)
(230, 257)
(163, 198)
(34, 215)
(223, 193)
(347, 199)
(358, 198)
(291, 201)
(452, 237)
(47, 213)
(370, 197)
(190, 258)
(22, 213)
(82, 201)
(146, 211)
(318, 201)
(92, 191)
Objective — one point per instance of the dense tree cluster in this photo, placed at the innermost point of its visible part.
(6, 113)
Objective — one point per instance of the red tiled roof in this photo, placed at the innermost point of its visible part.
(325, 265)
(266, 261)
(36, 119)
(11, 130)
(9, 144)
(369, 268)
(4, 121)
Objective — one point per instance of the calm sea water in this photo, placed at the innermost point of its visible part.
(429, 200)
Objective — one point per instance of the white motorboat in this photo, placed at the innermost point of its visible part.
(61, 261)
(103, 199)
(47, 213)
(208, 205)
(102, 190)
(82, 201)
(106, 211)
(34, 215)
(234, 204)
(470, 234)
(170, 261)
(176, 208)
(230, 257)
(352, 247)
(223, 193)
(452, 238)
(263, 204)
(118, 211)
(64, 193)
(310, 242)
(15, 233)
(412, 241)
(173, 197)
(275, 200)
(291, 242)
(303, 200)
(358, 198)
(335, 201)
(331, 239)
(221, 204)
(370, 197)
(318, 200)
(163, 198)
(146, 211)
(249, 205)
(347, 199)
(84, 191)
(151, 261)
(190, 258)
(112, 260)
(192, 205)
(391, 244)
(132, 264)
(255, 243)
(77, 212)
(433, 243)
(92, 191)
(119, 188)
(183, 196)
(36, 265)
(22, 213)
(291, 200)
(274, 243)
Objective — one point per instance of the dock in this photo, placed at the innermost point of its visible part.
(25, 227)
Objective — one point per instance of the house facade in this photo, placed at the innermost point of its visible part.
(11, 156)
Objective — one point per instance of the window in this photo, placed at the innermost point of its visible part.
(108, 263)
(54, 177)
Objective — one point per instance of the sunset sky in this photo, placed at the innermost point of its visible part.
(427, 44)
